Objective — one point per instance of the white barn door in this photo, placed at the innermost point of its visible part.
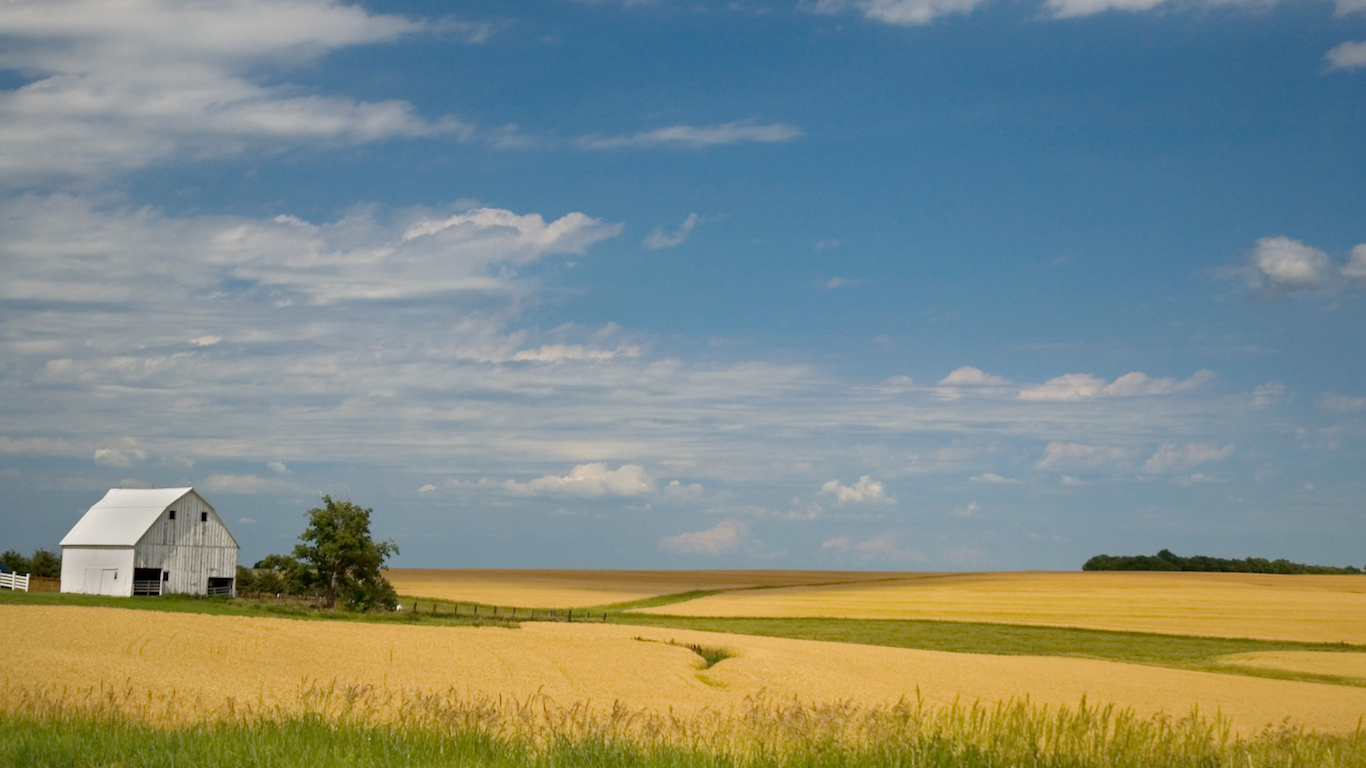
(102, 581)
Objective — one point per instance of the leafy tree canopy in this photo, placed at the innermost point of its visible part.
(338, 546)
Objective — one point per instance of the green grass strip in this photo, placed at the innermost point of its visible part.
(959, 737)
(1178, 651)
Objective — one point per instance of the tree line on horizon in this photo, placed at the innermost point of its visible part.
(43, 564)
(1166, 560)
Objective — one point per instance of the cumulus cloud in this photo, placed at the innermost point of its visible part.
(1346, 56)
(1084, 386)
(1290, 264)
(967, 376)
(1081, 455)
(991, 478)
(1173, 456)
(279, 468)
(659, 239)
(122, 85)
(865, 491)
(693, 136)
(590, 480)
(725, 537)
(1281, 266)
(125, 454)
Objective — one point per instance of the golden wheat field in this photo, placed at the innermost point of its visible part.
(552, 588)
(191, 664)
(1267, 607)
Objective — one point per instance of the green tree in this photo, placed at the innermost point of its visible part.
(347, 561)
(45, 564)
(14, 562)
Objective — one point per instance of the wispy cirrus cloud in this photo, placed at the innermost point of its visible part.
(742, 131)
(658, 239)
(119, 86)
(1084, 386)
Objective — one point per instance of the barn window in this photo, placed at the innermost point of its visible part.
(203, 517)
(172, 517)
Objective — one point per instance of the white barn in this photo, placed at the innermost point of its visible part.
(138, 541)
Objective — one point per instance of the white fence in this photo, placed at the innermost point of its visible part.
(14, 581)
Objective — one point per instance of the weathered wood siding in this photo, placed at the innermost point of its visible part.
(189, 549)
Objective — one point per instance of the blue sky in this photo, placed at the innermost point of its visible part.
(889, 284)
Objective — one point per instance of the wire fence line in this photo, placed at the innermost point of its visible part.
(477, 611)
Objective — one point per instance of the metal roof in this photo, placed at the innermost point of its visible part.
(122, 516)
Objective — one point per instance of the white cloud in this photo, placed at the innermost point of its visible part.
(125, 454)
(679, 491)
(724, 537)
(1084, 386)
(659, 239)
(428, 488)
(900, 12)
(991, 478)
(691, 136)
(1173, 456)
(123, 85)
(1069, 481)
(1198, 478)
(1081, 455)
(62, 248)
(206, 341)
(1336, 403)
(1355, 269)
(590, 480)
(1290, 265)
(835, 282)
(967, 376)
(1268, 394)
(249, 484)
(865, 491)
(1062, 9)
(279, 468)
(1349, 55)
(968, 511)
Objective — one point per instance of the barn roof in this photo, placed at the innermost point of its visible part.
(122, 516)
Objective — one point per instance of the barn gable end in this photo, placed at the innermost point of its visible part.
(150, 541)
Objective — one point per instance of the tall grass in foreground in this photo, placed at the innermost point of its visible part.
(358, 726)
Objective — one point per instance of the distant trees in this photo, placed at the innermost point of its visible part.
(337, 559)
(42, 564)
(1166, 560)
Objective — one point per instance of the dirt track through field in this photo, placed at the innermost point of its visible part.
(1267, 607)
(267, 661)
(1351, 665)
